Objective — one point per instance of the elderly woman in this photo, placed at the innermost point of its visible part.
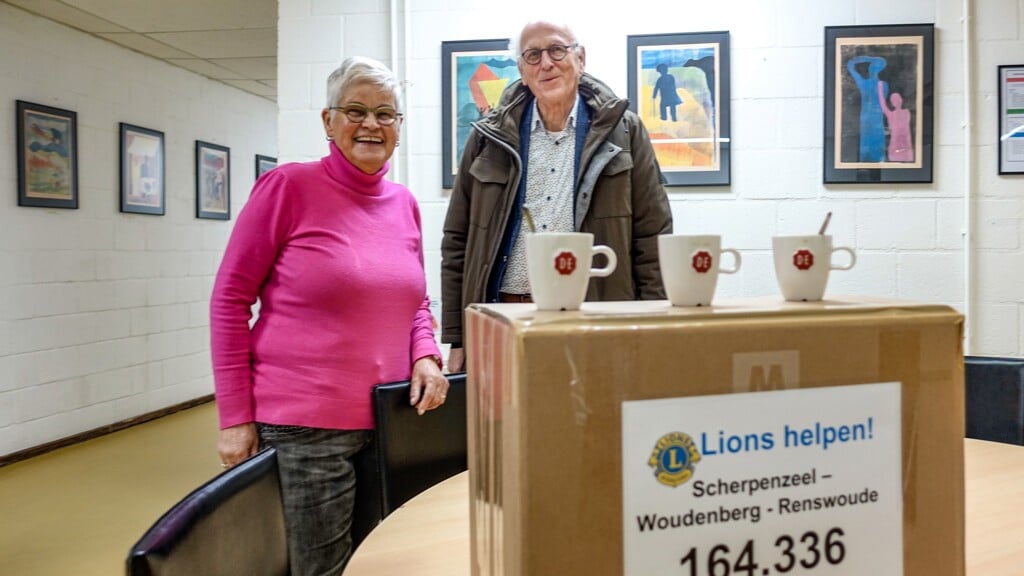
(333, 253)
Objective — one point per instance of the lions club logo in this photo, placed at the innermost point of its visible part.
(673, 458)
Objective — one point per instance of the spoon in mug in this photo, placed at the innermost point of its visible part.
(824, 224)
(529, 219)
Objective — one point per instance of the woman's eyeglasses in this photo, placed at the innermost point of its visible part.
(556, 52)
(385, 115)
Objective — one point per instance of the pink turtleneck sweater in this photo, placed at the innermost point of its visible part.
(335, 257)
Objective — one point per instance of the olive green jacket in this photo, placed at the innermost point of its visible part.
(619, 199)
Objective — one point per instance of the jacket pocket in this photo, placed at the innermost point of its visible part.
(613, 194)
(489, 171)
(622, 162)
(490, 180)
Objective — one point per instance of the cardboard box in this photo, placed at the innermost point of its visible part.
(831, 420)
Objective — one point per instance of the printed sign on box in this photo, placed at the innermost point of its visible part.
(803, 481)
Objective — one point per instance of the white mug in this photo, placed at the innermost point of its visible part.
(690, 266)
(802, 265)
(559, 267)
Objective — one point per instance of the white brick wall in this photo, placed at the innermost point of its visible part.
(103, 315)
(909, 237)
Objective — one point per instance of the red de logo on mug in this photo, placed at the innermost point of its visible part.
(702, 261)
(565, 263)
(803, 259)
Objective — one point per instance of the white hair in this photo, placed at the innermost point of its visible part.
(359, 70)
(515, 41)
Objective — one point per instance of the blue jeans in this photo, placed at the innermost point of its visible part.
(318, 486)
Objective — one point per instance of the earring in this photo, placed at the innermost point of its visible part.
(398, 143)
(328, 138)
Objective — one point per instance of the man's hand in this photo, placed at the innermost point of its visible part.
(456, 360)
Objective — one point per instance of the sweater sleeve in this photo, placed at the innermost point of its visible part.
(259, 232)
(422, 342)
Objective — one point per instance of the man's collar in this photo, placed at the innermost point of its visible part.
(538, 122)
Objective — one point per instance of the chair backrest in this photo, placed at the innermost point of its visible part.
(233, 524)
(995, 398)
(415, 452)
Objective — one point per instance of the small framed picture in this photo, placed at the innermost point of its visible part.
(473, 75)
(142, 170)
(679, 86)
(213, 181)
(264, 164)
(878, 103)
(47, 156)
(1011, 119)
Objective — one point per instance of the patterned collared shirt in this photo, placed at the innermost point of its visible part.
(550, 183)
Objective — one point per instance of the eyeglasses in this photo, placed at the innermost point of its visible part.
(557, 52)
(385, 115)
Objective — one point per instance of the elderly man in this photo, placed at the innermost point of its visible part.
(562, 145)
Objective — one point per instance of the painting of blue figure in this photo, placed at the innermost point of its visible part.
(479, 80)
(878, 110)
(666, 88)
(677, 93)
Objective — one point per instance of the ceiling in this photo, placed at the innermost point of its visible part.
(232, 41)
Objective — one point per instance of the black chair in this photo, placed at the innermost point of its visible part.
(409, 453)
(995, 398)
(415, 452)
(233, 524)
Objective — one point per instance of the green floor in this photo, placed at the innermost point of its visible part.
(77, 510)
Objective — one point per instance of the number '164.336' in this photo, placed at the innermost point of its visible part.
(807, 552)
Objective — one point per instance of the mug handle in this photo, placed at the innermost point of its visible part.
(853, 258)
(609, 267)
(736, 261)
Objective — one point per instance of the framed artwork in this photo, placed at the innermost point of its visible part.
(679, 86)
(47, 156)
(473, 75)
(878, 103)
(142, 170)
(1011, 119)
(264, 164)
(213, 181)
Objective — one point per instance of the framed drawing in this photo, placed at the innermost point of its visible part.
(679, 86)
(1011, 119)
(213, 181)
(473, 75)
(47, 156)
(878, 103)
(142, 170)
(264, 164)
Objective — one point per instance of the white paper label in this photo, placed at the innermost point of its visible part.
(795, 482)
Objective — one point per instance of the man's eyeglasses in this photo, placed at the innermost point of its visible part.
(385, 115)
(557, 52)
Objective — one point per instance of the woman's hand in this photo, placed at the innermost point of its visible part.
(428, 386)
(237, 443)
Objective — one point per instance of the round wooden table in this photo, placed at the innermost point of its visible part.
(429, 535)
